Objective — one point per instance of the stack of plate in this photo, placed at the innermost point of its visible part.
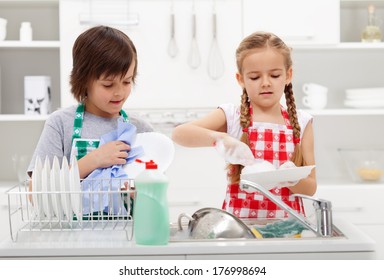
(56, 191)
(364, 98)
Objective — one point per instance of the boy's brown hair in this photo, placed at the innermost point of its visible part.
(100, 51)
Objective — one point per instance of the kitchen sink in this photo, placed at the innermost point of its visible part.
(177, 235)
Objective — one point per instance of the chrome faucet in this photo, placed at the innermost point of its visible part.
(323, 209)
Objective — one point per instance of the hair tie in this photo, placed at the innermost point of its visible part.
(296, 140)
(245, 129)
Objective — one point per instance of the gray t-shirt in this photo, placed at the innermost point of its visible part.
(56, 137)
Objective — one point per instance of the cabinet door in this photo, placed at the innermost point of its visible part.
(377, 233)
(359, 204)
(295, 21)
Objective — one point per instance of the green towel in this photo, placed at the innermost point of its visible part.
(284, 228)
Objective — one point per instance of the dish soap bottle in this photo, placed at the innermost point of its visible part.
(150, 212)
(371, 32)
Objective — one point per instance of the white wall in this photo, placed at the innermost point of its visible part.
(164, 81)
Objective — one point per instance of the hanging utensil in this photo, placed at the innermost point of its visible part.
(215, 60)
(172, 45)
(194, 59)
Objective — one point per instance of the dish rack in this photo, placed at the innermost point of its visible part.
(101, 208)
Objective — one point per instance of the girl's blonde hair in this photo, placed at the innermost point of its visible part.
(260, 40)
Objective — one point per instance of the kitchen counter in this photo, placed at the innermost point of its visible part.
(115, 245)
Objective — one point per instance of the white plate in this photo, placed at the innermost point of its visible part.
(365, 103)
(269, 179)
(55, 187)
(36, 188)
(75, 188)
(46, 189)
(64, 187)
(157, 147)
(359, 93)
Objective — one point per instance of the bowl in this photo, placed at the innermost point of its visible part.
(214, 223)
(364, 165)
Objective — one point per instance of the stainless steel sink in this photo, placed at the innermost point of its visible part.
(177, 235)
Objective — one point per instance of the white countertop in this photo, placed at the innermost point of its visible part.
(114, 244)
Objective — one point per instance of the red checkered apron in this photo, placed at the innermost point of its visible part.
(275, 144)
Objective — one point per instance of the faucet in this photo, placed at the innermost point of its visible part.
(323, 227)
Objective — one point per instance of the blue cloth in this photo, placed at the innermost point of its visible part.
(110, 179)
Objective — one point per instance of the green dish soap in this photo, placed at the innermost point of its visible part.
(150, 213)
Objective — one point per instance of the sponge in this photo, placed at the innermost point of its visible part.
(283, 228)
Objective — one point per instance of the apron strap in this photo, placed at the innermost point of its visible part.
(288, 124)
(285, 115)
(286, 118)
(78, 122)
(124, 115)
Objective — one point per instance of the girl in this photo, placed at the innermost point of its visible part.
(104, 69)
(273, 133)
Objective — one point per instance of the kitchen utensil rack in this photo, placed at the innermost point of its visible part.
(25, 216)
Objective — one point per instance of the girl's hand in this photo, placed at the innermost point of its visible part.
(234, 151)
(111, 153)
(286, 165)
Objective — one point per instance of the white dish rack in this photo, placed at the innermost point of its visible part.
(27, 216)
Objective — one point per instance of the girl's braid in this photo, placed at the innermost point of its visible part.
(291, 108)
(234, 170)
(297, 157)
(245, 112)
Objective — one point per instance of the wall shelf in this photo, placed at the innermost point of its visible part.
(22, 117)
(346, 112)
(341, 46)
(361, 3)
(33, 44)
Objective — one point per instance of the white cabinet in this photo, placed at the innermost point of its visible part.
(360, 204)
(295, 21)
(377, 233)
(313, 24)
(70, 28)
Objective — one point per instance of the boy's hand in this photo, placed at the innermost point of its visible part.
(111, 153)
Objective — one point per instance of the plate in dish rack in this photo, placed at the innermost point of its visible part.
(36, 188)
(46, 189)
(55, 187)
(64, 189)
(269, 179)
(75, 187)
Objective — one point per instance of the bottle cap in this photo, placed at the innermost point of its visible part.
(148, 164)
